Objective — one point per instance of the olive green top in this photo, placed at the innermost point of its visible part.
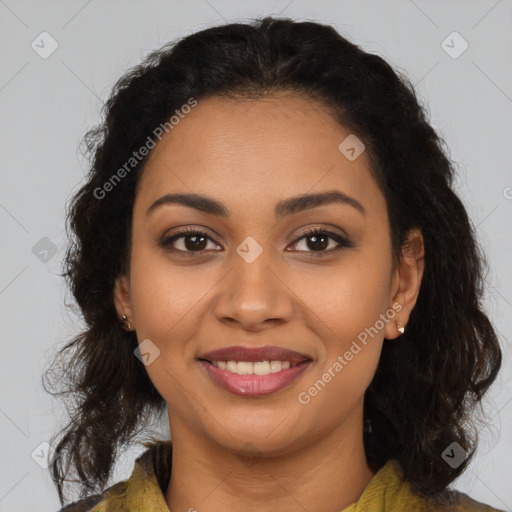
(144, 491)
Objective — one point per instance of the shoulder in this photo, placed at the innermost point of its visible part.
(83, 505)
(398, 494)
(112, 499)
(151, 473)
(456, 501)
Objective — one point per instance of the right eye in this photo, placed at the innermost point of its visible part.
(193, 241)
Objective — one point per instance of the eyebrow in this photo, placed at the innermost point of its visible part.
(283, 208)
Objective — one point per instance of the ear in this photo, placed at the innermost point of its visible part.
(122, 298)
(406, 282)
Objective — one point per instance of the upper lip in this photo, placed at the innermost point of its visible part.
(269, 353)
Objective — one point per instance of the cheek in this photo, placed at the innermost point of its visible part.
(348, 307)
(163, 298)
(351, 297)
(351, 344)
(163, 294)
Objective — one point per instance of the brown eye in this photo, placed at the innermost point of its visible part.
(194, 241)
(319, 239)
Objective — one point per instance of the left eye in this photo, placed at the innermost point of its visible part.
(319, 240)
(194, 241)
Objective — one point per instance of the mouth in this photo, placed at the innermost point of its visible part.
(254, 372)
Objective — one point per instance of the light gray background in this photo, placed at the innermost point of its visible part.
(48, 104)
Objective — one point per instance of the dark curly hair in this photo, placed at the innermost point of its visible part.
(425, 388)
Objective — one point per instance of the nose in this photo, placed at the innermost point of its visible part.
(254, 296)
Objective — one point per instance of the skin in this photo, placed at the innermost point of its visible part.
(250, 154)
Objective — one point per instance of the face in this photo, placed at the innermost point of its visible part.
(249, 275)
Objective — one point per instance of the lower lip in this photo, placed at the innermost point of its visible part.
(255, 385)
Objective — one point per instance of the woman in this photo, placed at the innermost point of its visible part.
(270, 217)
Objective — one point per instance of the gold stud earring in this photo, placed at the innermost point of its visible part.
(125, 323)
(401, 328)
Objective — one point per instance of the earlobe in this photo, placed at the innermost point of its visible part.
(396, 327)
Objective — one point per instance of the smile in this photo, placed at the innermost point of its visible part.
(249, 383)
(254, 371)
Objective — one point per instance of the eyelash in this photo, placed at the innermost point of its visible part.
(343, 242)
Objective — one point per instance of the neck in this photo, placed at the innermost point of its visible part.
(328, 476)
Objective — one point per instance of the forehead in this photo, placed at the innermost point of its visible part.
(253, 151)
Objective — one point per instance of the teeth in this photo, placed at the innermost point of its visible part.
(245, 367)
(256, 368)
(262, 368)
(232, 366)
